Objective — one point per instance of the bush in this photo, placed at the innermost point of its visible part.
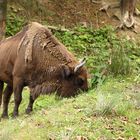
(14, 24)
(120, 61)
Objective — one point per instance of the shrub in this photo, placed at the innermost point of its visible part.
(14, 24)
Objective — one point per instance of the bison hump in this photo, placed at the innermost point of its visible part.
(40, 36)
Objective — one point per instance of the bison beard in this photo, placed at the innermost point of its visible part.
(35, 58)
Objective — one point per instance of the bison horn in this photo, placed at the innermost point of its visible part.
(81, 63)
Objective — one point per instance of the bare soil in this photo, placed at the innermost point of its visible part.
(69, 13)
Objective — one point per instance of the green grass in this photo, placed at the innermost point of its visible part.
(107, 112)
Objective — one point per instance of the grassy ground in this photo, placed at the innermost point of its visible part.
(109, 112)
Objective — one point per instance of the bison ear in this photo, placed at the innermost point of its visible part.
(65, 71)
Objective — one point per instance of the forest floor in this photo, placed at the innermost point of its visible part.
(69, 14)
(87, 13)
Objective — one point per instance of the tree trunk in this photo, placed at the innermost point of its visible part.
(3, 9)
(127, 12)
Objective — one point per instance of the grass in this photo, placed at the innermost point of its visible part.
(103, 113)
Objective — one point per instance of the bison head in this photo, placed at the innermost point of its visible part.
(73, 80)
(66, 83)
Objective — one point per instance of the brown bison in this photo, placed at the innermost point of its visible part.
(35, 58)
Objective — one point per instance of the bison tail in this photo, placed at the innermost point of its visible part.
(1, 91)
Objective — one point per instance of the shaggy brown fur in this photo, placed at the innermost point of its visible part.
(35, 58)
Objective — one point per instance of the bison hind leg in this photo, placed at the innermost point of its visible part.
(6, 98)
(30, 105)
(1, 91)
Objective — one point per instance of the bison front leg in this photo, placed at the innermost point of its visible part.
(30, 105)
(17, 87)
(1, 90)
(6, 98)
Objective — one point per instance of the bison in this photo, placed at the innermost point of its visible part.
(35, 58)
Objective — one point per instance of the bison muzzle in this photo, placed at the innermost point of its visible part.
(35, 58)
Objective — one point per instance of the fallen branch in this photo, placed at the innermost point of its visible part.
(61, 29)
(96, 2)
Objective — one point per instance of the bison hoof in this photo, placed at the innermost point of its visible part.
(4, 116)
(14, 115)
(28, 110)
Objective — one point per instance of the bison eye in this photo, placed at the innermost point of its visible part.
(80, 81)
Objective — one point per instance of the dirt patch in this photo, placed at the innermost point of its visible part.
(134, 89)
(133, 93)
(71, 13)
